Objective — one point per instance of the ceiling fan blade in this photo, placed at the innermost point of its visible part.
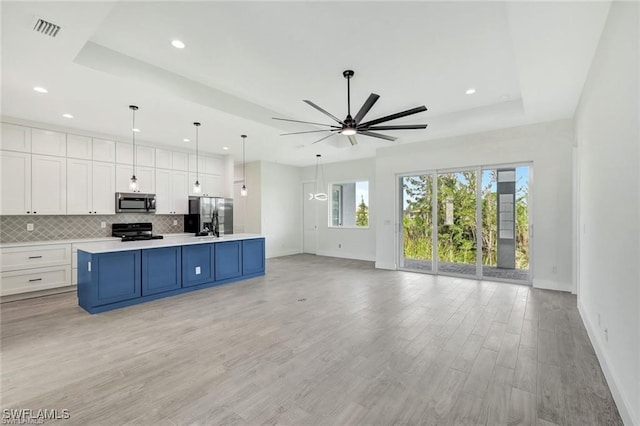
(326, 137)
(304, 122)
(353, 140)
(393, 116)
(376, 135)
(366, 107)
(323, 111)
(308, 131)
(400, 127)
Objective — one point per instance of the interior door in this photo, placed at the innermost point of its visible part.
(310, 226)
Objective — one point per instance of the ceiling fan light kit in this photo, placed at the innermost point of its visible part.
(351, 126)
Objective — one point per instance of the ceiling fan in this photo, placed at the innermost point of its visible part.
(351, 126)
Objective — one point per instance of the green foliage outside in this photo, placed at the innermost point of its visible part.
(457, 232)
(362, 214)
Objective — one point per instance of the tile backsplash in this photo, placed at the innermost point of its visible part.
(14, 228)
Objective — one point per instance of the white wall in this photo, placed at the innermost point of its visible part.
(350, 243)
(607, 132)
(281, 209)
(547, 145)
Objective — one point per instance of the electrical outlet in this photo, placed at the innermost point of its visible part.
(29, 226)
(175, 222)
(198, 271)
(103, 225)
(606, 334)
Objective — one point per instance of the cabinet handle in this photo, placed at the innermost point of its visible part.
(35, 212)
(35, 257)
(35, 279)
(94, 212)
(28, 212)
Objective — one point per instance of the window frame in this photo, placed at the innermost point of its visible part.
(330, 191)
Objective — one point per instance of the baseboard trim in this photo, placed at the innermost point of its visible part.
(551, 285)
(344, 255)
(386, 265)
(283, 253)
(624, 407)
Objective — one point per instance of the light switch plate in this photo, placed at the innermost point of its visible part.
(175, 222)
(103, 224)
(198, 270)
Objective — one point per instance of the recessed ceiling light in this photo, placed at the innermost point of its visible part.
(177, 44)
(67, 115)
(185, 139)
(40, 89)
(225, 148)
(470, 91)
(135, 130)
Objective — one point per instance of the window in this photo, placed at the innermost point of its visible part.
(349, 205)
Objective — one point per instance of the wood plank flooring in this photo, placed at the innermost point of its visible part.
(316, 341)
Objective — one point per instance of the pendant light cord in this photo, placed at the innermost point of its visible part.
(197, 166)
(244, 161)
(133, 132)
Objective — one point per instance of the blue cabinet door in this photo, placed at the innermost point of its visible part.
(197, 264)
(253, 256)
(161, 270)
(228, 260)
(116, 275)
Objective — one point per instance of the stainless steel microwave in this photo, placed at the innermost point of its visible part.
(135, 202)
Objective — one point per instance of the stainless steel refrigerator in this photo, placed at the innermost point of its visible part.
(209, 216)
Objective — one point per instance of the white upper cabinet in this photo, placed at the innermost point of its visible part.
(104, 150)
(46, 142)
(145, 156)
(211, 185)
(90, 187)
(206, 165)
(15, 138)
(124, 153)
(79, 147)
(180, 161)
(163, 159)
(79, 190)
(163, 191)
(179, 192)
(145, 175)
(48, 185)
(15, 183)
(103, 188)
(172, 195)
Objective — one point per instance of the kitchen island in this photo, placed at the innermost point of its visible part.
(114, 274)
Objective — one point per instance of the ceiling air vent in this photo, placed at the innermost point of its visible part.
(46, 27)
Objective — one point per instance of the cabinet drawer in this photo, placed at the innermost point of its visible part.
(35, 279)
(16, 258)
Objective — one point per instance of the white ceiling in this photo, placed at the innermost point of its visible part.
(246, 62)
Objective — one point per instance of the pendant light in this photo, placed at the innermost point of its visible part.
(243, 190)
(197, 189)
(133, 182)
(319, 196)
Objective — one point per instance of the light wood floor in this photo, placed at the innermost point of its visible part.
(316, 341)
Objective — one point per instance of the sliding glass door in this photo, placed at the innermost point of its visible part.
(457, 228)
(472, 223)
(417, 222)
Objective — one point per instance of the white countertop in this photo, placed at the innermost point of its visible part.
(81, 240)
(117, 245)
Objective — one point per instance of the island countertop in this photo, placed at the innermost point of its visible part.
(117, 245)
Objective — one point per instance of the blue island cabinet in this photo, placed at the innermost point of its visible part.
(228, 260)
(253, 257)
(114, 279)
(197, 265)
(161, 270)
(108, 279)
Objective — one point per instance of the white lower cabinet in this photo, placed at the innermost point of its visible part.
(32, 268)
(171, 192)
(35, 279)
(90, 187)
